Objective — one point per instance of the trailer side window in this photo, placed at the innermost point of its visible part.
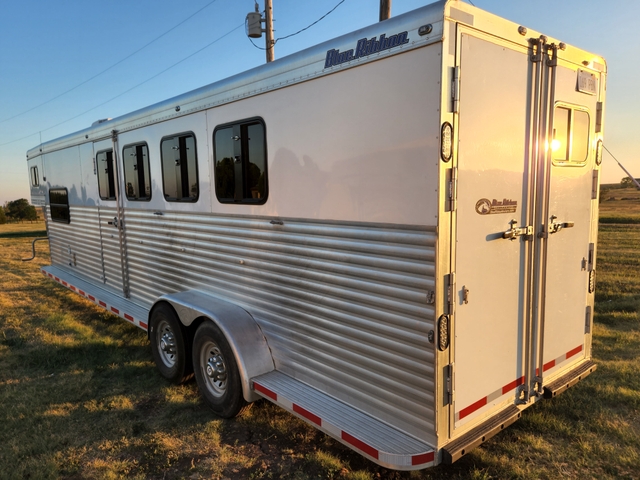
(180, 168)
(106, 175)
(35, 180)
(137, 180)
(570, 143)
(59, 205)
(241, 162)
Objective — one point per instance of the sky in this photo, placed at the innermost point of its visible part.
(67, 63)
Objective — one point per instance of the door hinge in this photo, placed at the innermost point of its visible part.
(587, 322)
(451, 285)
(448, 384)
(453, 189)
(594, 185)
(455, 90)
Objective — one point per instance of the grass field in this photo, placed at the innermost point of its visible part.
(80, 396)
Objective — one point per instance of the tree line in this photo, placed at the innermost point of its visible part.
(18, 211)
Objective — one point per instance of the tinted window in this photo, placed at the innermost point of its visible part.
(35, 180)
(59, 205)
(180, 168)
(241, 162)
(106, 175)
(137, 181)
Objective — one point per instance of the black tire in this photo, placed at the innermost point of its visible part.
(170, 346)
(216, 371)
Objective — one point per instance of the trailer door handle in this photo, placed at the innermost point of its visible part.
(555, 227)
(514, 232)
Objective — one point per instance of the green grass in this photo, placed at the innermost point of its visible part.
(80, 396)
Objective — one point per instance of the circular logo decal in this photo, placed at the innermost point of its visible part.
(483, 206)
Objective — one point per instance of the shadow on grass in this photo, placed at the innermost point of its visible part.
(35, 233)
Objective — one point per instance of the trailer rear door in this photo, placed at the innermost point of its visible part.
(524, 238)
(491, 272)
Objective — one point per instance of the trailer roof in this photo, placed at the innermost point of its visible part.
(312, 63)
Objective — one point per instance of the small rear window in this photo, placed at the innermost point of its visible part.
(570, 143)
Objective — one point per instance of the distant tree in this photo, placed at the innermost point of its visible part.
(626, 182)
(3, 217)
(19, 210)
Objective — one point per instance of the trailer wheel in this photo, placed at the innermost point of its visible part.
(170, 347)
(216, 371)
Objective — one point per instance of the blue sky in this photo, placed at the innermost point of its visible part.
(47, 48)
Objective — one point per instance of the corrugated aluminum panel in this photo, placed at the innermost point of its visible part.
(343, 306)
(77, 246)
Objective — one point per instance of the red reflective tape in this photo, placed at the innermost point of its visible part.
(82, 293)
(102, 303)
(513, 385)
(573, 352)
(424, 458)
(73, 288)
(92, 298)
(115, 310)
(472, 408)
(266, 391)
(548, 365)
(128, 317)
(51, 275)
(360, 445)
(65, 283)
(307, 414)
(144, 325)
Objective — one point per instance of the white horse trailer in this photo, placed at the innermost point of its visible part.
(391, 235)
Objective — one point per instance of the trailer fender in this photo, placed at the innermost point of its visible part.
(245, 337)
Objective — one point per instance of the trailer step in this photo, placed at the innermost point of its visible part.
(133, 313)
(483, 432)
(374, 439)
(569, 379)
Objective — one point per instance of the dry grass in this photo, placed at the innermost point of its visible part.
(80, 397)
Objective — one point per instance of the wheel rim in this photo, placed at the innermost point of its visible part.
(214, 369)
(166, 342)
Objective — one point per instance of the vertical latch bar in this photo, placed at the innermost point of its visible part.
(451, 291)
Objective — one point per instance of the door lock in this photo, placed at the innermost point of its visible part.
(555, 227)
(514, 232)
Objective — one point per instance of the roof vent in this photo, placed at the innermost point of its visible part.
(98, 122)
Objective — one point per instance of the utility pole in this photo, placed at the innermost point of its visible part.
(268, 26)
(385, 9)
(254, 23)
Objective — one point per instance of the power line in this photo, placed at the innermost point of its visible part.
(108, 68)
(299, 31)
(127, 91)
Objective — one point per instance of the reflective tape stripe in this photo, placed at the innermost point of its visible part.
(465, 412)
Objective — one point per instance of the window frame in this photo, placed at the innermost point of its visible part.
(124, 173)
(66, 220)
(240, 123)
(195, 144)
(113, 174)
(573, 108)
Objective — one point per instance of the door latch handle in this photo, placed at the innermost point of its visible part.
(515, 232)
(555, 227)
(114, 222)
